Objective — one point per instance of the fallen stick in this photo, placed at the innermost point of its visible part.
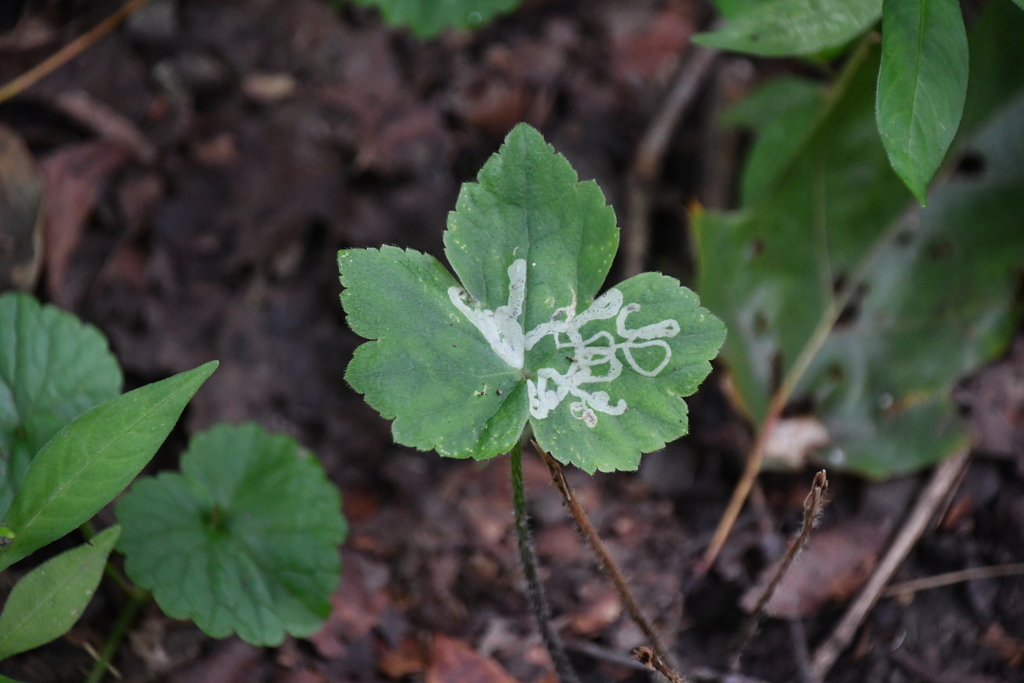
(945, 476)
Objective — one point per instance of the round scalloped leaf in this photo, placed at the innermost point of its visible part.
(462, 367)
(429, 17)
(245, 540)
(53, 368)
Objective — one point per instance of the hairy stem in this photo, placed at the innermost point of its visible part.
(125, 620)
(528, 558)
(605, 559)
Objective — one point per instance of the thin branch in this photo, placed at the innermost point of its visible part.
(604, 558)
(942, 480)
(652, 661)
(69, 51)
(814, 503)
(650, 153)
(950, 578)
(528, 558)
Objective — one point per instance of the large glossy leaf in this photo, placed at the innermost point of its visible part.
(52, 369)
(931, 290)
(794, 27)
(49, 600)
(430, 17)
(93, 459)
(244, 540)
(462, 367)
(922, 84)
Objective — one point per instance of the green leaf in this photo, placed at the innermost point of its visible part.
(997, 62)
(429, 17)
(922, 84)
(244, 540)
(51, 598)
(781, 112)
(794, 27)
(461, 368)
(1019, 3)
(93, 459)
(932, 290)
(52, 369)
(730, 9)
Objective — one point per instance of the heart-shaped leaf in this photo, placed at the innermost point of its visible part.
(48, 601)
(244, 540)
(52, 369)
(462, 367)
(430, 17)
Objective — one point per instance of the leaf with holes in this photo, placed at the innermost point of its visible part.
(245, 540)
(48, 601)
(53, 368)
(794, 27)
(525, 336)
(429, 17)
(928, 293)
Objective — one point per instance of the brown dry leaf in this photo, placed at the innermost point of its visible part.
(21, 202)
(406, 659)
(598, 615)
(646, 46)
(74, 175)
(454, 661)
(232, 662)
(355, 611)
(793, 439)
(106, 122)
(835, 563)
(560, 543)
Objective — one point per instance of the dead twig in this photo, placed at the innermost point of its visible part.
(599, 549)
(69, 51)
(650, 153)
(942, 480)
(814, 503)
(652, 661)
(950, 578)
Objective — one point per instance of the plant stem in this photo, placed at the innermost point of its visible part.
(528, 558)
(69, 51)
(604, 558)
(114, 639)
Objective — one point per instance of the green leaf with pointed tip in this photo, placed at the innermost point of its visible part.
(794, 27)
(922, 84)
(932, 289)
(245, 540)
(93, 459)
(49, 600)
(462, 367)
(429, 17)
(52, 369)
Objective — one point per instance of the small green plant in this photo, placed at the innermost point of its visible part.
(428, 18)
(253, 509)
(524, 337)
(245, 540)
